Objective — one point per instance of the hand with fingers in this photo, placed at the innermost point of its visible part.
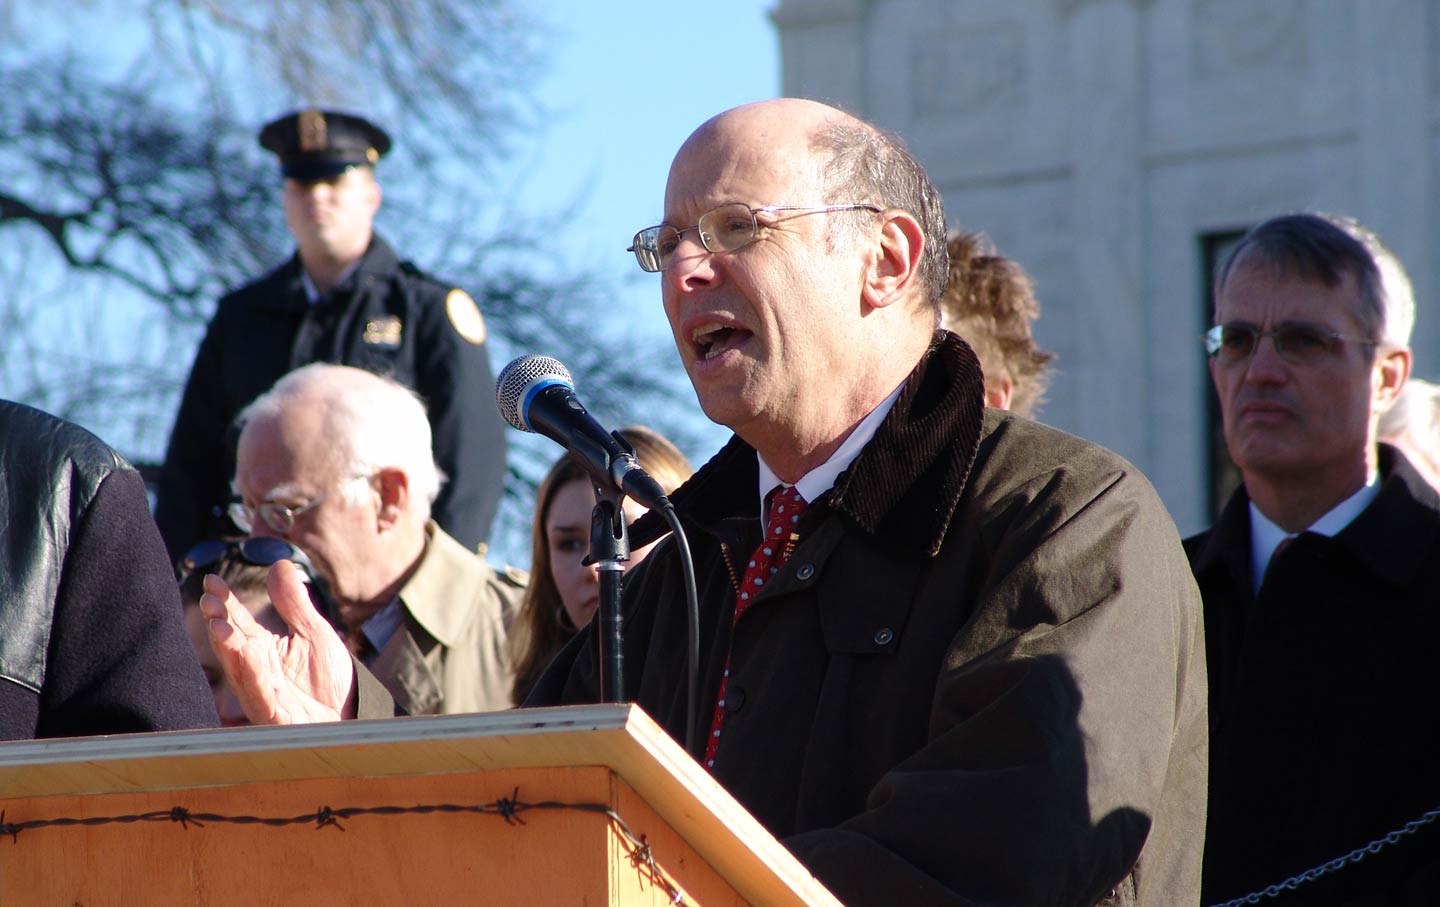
(304, 677)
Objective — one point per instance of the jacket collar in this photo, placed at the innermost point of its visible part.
(903, 486)
(379, 259)
(1391, 537)
(429, 595)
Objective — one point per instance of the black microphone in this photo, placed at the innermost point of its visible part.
(537, 394)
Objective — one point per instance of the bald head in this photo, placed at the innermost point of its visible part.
(338, 461)
(826, 156)
(347, 422)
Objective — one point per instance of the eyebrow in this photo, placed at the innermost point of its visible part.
(284, 490)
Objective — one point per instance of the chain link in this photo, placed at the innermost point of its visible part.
(1354, 856)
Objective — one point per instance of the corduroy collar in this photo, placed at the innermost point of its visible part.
(903, 486)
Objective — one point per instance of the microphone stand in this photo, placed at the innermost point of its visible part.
(609, 550)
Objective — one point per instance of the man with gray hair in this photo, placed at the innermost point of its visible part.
(338, 461)
(1320, 580)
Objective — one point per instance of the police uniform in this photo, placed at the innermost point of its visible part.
(385, 316)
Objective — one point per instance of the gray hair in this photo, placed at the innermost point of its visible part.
(372, 422)
(869, 165)
(1323, 248)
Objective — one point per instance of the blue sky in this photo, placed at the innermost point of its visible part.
(622, 86)
(626, 90)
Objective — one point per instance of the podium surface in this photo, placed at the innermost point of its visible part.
(578, 805)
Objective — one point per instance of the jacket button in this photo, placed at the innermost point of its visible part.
(884, 636)
(805, 571)
(734, 699)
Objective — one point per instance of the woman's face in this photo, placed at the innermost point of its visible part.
(226, 703)
(567, 533)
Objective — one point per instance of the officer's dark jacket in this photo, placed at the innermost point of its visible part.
(91, 638)
(386, 317)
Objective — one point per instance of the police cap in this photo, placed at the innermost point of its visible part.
(317, 144)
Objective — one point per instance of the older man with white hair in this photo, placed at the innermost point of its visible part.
(338, 461)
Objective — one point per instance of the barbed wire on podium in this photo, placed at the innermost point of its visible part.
(510, 809)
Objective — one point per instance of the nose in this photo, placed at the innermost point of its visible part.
(1265, 365)
(691, 266)
(260, 528)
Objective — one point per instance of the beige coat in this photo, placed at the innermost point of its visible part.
(451, 653)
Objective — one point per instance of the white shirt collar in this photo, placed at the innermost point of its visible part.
(1265, 536)
(820, 479)
(312, 293)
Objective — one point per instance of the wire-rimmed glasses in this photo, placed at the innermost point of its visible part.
(723, 229)
(1296, 343)
(279, 517)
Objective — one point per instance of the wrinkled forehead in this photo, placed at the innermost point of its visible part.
(283, 450)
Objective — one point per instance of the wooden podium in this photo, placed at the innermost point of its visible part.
(590, 805)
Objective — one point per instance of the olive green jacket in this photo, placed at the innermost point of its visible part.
(979, 678)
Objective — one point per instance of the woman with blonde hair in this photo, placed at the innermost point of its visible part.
(563, 593)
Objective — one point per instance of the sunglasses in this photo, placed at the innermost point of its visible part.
(262, 551)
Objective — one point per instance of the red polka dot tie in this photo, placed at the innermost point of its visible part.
(786, 506)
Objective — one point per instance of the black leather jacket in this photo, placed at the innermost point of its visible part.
(91, 638)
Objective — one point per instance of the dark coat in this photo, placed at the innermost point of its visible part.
(91, 637)
(979, 679)
(386, 317)
(1323, 701)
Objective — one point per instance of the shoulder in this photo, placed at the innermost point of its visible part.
(35, 440)
(1017, 455)
(261, 289)
(439, 302)
(452, 582)
(1042, 497)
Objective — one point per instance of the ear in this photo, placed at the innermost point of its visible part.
(1392, 368)
(394, 497)
(999, 391)
(895, 268)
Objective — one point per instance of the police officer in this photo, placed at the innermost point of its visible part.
(344, 297)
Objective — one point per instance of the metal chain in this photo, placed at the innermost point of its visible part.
(1354, 856)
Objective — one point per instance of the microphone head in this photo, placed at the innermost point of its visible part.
(521, 380)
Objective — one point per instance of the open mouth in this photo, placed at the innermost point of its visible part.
(713, 339)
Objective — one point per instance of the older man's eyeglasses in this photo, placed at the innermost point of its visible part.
(1297, 344)
(725, 229)
(260, 552)
(279, 517)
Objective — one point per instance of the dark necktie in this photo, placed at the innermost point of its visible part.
(786, 506)
(1275, 555)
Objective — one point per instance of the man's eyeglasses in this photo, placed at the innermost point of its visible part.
(1297, 344)
(260, 552)
(277, 516)
(725, 229)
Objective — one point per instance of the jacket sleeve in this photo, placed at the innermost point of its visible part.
(453, 374)
(194, 478)
(120, 660)
(1067, 726)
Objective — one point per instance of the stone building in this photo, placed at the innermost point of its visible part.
(1115, 147)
